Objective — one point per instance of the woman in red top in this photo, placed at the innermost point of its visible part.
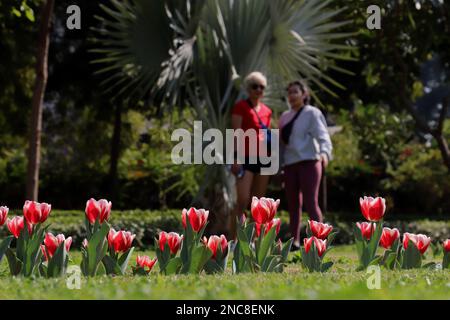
(250, 114)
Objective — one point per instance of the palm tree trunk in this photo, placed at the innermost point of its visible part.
(34, 152)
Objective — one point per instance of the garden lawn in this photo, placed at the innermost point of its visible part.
(341, 282)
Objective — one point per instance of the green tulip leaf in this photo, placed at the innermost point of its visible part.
(326, 266)
(57, 264)
(97, 247)
(411, 257)
(111, 265)
(124, 259)
(265, 245)
(15, 265)
(5, 246)
(173, 266)
(200, 255)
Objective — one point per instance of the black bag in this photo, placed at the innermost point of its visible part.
(287, 129)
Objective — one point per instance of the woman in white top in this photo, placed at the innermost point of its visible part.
(307, 150)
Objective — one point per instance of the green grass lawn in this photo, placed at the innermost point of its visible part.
(341, 282)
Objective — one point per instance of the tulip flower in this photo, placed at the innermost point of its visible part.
(372, 208)
(35, 212)
(85, 243)
(446, 259)
(100, 210)
(388, 237)
(214, 242)
(264, 209)
(446, 245)
(3, 215)
(197, 218)
(268, 226)
(420, 241)
(51, 243)
(15, 225)
(145, 262)
(260, 255)
(321, 245)
(320, 230)
(120, 241)
(172, 239)
(367, 229)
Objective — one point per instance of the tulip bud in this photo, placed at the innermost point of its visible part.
(100, 210)
(145, 262)
(420, 241)
(264, 209)
(15, 225)
(120, 241)
(197, 218)
(215, 242)
(388, 237)
(320, 230)
(321, 245)
(373, 209)
(35, 212)
(3, 215)
(367, 229)
(51, 244)
(446, 245)
(172, 239)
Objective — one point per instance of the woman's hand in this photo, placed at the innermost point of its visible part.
(324, 160)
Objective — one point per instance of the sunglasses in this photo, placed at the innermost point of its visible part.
(257, 86)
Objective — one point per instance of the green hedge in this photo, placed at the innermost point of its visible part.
(147, 224)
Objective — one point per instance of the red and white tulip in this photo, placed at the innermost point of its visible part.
(172, 239)
(421, 241)
(320, 244)
(388, 237)
(320, 230)
(264, 209)
(3, 215)
(145, 263)
(35, 212)
(120, 241)
(446, 245)
(214, 243)
(15, 225)
(100, 210)
(367, 229)
(51, 244)
(197, 218)
(275, 223)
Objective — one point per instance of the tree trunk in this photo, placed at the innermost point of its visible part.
(438, 133)
(443, 147)
(34, 152)
(115, 152)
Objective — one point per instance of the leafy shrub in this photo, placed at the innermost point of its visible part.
(421, 183)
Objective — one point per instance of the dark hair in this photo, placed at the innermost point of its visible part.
(303, 87)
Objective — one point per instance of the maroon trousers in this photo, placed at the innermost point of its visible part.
(302, 182)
